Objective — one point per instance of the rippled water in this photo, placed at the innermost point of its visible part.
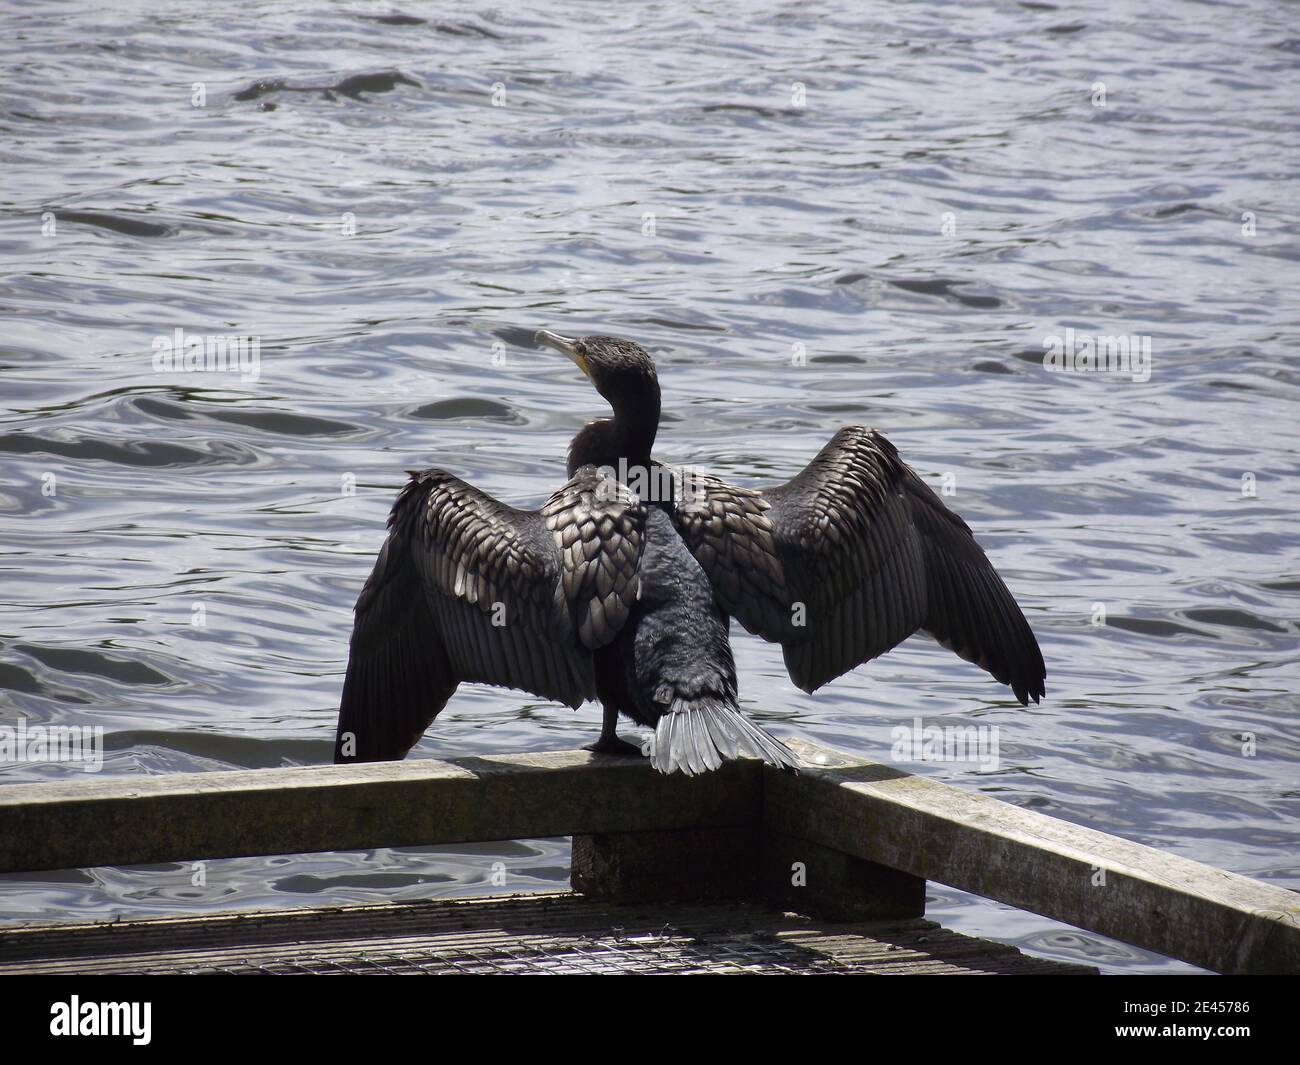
(908, 198)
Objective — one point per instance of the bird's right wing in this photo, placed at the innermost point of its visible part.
(468, 589)
(849, 558)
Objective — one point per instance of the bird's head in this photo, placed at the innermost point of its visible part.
(621, 370)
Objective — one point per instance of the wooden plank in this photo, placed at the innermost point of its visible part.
(553, 933)
(687, 864)
(1086, 878)
(190, 816)
(919, 826)
(808, 878)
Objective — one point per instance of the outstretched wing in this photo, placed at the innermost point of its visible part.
(468, 589)
(851, 557)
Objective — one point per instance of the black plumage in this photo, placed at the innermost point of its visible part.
(851, 557)
(469, 589)
(602, 594)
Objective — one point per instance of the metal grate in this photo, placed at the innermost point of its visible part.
(561, 934)
(664, 954)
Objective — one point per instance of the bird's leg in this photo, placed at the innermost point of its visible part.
(609, 743)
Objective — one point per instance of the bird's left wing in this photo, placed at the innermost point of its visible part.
(467, 588)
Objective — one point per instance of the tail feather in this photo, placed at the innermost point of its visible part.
(698, 735)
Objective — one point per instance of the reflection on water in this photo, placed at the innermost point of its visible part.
(828, 214)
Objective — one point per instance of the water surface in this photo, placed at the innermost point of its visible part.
(812, 213)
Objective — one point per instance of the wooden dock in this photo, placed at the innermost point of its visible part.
(559, 933)
(674, 874)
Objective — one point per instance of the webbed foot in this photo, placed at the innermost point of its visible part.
(613, 745)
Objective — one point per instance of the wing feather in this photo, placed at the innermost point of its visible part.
(466, 588)
(848, 559)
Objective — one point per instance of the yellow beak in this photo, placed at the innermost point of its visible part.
(567, 346)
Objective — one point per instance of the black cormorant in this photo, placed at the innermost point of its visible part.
(603, 594)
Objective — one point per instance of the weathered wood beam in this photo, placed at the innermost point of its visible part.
(687, 864)
(808, 878)
(190, 816)
(1103, 883)
(920, 827)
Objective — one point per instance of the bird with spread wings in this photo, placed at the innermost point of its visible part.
(600, 594)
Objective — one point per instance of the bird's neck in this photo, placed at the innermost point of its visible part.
(624, 440)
